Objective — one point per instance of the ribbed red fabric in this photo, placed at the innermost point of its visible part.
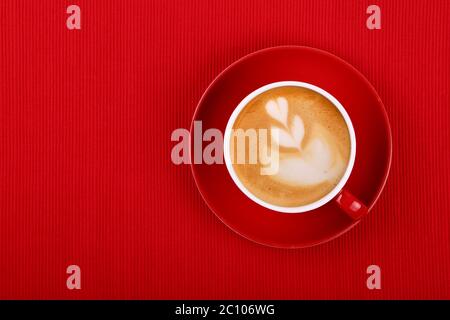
(86, 176)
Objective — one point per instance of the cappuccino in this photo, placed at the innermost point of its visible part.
(308, 145)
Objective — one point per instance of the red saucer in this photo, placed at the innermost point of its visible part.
(373, 138)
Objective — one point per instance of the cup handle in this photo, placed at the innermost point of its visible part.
(353, 207)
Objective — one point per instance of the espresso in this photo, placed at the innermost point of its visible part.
(306, 146)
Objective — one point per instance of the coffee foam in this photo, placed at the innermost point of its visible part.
(313, 141)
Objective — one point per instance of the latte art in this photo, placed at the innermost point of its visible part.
(313, 162)
(312, 146)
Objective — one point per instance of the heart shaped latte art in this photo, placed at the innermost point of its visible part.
(314, 162)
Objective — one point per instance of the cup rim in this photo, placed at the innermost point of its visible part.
(313, 205)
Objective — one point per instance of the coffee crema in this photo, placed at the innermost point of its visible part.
(313, 146)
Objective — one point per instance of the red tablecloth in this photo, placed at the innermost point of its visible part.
(85, 171)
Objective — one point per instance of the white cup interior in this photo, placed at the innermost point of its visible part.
(311, 206)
